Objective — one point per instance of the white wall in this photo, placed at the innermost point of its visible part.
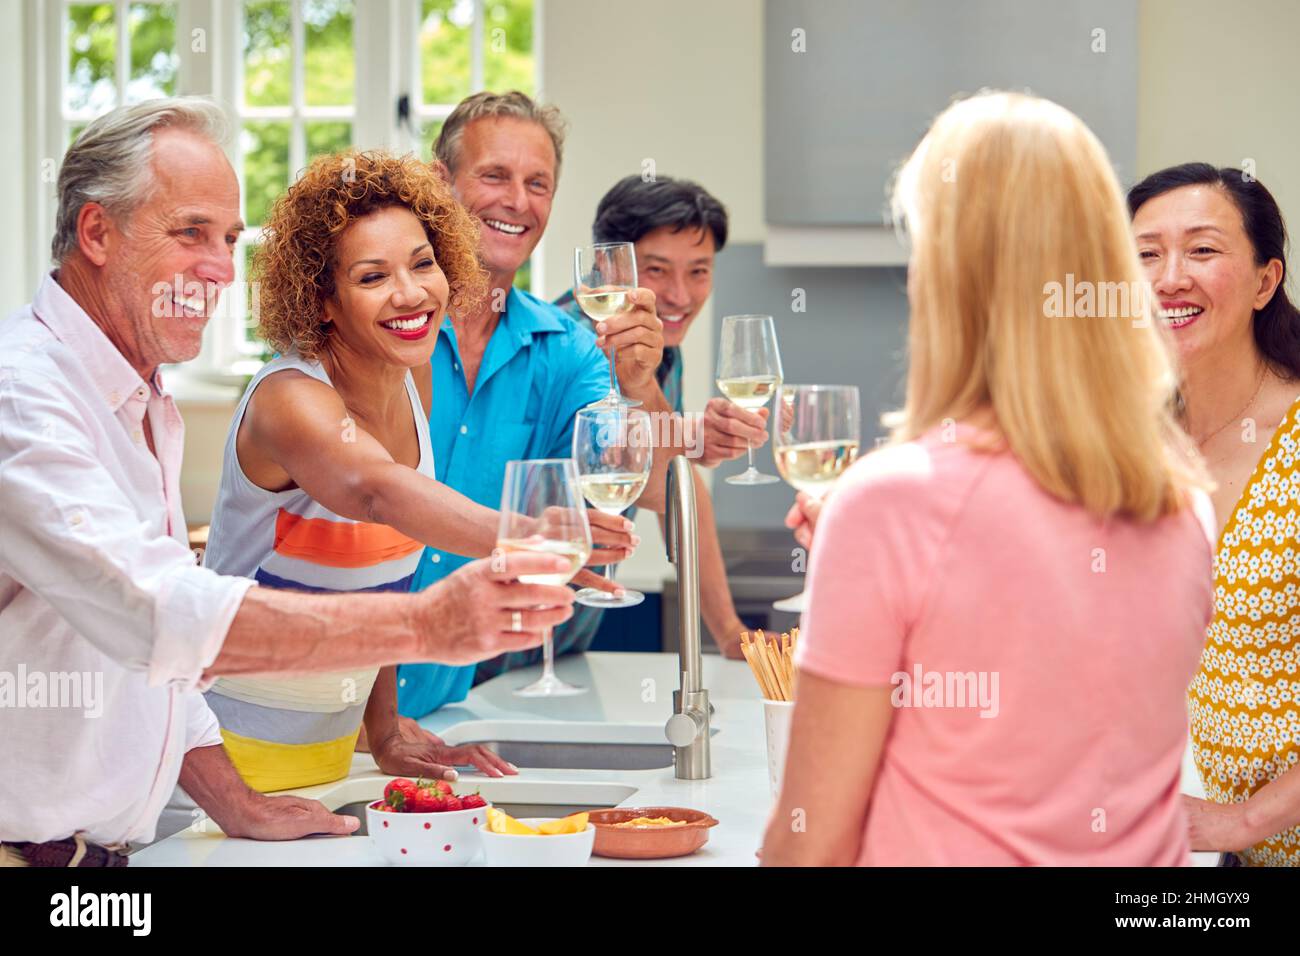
(1218, 83)
(679, 82)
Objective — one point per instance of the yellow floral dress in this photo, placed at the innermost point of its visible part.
(1244, 702)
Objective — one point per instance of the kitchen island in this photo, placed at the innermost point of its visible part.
(629, 699)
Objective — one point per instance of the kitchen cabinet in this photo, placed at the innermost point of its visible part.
(850, 87)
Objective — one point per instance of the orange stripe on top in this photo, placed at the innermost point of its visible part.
(339, 544)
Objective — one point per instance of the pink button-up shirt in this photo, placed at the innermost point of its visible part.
(106, 621)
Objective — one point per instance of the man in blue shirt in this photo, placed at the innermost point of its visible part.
(509, 375)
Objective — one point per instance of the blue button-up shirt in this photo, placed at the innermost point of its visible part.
(538, 369)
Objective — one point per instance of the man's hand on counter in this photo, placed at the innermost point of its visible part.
(209, 777)
(286, 818)
(729, 642)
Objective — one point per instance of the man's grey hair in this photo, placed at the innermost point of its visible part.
(512, 105)
(111, 161)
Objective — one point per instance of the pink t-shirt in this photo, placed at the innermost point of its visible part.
(1060, 648)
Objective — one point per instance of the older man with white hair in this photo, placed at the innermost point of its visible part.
(98, 589)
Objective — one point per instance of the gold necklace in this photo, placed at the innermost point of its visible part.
(1201, 442)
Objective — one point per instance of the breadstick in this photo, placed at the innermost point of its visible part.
(769, 679)
(775, 669)
(748, 650)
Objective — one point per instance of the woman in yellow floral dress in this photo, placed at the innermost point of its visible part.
(1213, 243)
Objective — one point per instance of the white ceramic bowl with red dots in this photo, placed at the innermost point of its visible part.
(450, 838)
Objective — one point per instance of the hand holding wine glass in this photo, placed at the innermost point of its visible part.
(817, 435)
(604, 277)
(816, 442)
(542, 513)
(749, 373)
(613, 453)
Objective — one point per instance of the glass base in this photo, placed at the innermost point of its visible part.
(792, 605)
(549, 686)
(594, 597)
(752, 477)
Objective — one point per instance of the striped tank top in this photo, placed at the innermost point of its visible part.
(296, 732)
(1244, 703)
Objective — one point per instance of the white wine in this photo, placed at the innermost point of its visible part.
(814, 466)
(613, 492)
(603, 304)
(576, 551)
(750, 391)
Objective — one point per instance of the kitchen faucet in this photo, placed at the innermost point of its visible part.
(688, 728)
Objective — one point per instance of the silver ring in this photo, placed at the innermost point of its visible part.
(516, 621)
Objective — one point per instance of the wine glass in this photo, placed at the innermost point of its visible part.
(749, 373)
(613, 451)
(604, 276)
(817, 434)
(542, 511)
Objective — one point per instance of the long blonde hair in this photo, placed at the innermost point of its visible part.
(1007, 197)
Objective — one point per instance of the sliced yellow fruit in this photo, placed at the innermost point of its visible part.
(499, 822)
(575, 823)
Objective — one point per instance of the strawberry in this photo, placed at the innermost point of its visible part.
(426, 800)
(399, 793)
(473, 801)
(452, 803)
(444, 786)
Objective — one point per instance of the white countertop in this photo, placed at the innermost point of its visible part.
(631, 694)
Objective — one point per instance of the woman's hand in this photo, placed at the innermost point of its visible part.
(802, 517)
(415, 752)
(613, 538)
(1217, 827)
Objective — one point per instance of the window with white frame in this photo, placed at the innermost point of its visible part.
(299, 78)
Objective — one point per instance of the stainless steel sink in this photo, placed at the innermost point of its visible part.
(569, 745)
(582, 756)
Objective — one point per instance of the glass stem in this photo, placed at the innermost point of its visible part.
(613, 382)
(548, 655)
(750, 446)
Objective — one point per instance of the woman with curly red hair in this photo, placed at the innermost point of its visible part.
(328, 478)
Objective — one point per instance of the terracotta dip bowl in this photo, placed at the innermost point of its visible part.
(649, 843)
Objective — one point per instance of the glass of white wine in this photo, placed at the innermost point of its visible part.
(613, 451)
(817, 435)
(604, 276)
(749, 373)
(542, 511)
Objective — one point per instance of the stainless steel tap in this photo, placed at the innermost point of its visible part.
(688, 727)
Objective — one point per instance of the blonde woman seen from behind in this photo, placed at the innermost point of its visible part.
(1007, 602)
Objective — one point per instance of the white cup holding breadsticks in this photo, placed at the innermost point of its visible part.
(771, 658)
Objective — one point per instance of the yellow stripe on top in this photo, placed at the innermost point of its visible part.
(267, 766)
